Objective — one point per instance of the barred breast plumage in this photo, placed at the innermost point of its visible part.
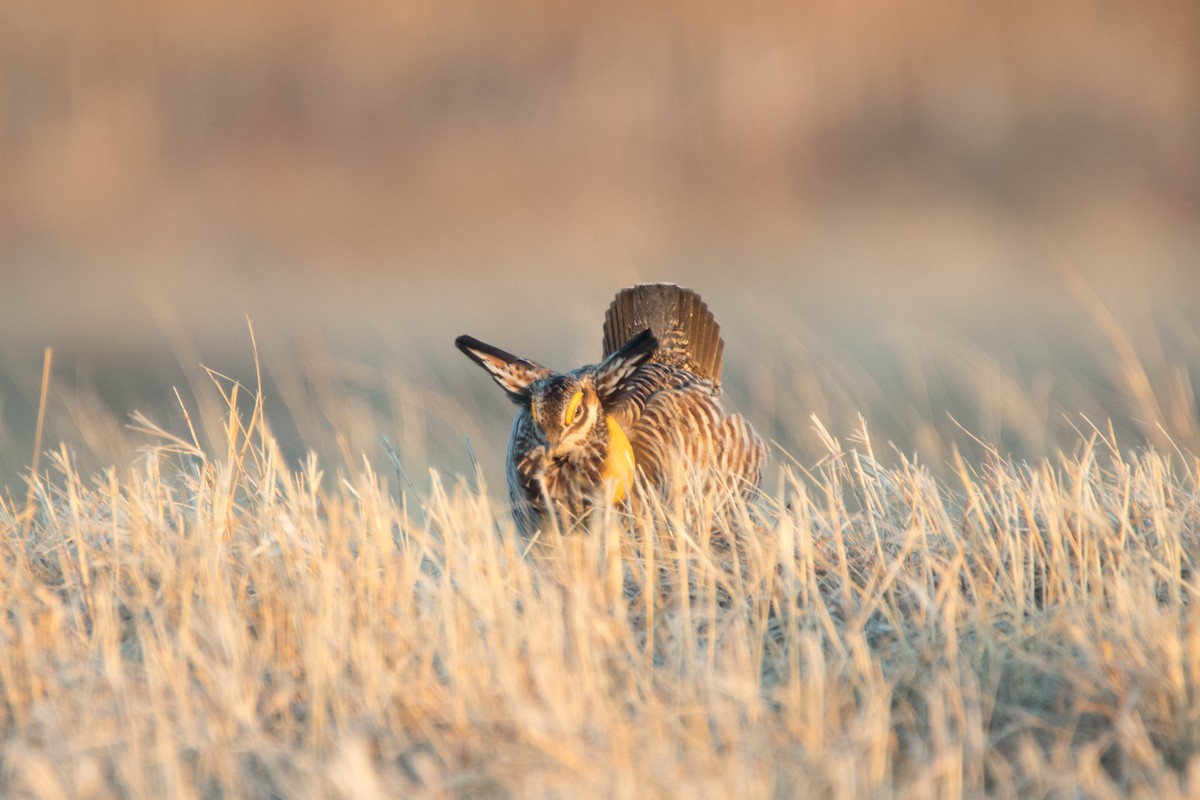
(650, 408)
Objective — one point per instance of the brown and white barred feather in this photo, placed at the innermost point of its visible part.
(675, 421)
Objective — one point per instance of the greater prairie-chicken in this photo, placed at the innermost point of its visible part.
(601, 432)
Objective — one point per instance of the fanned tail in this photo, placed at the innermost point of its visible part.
(687, 334)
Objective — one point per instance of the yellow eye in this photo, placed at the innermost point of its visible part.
(574, 409)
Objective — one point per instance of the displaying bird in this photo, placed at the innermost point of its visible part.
(649, 409)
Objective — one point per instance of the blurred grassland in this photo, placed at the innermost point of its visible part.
(879, 199)
(230, 153)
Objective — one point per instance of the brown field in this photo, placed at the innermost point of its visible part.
(955, 252)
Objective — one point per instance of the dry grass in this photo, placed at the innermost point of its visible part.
(210, 623)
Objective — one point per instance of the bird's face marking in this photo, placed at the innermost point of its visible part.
(565, 409)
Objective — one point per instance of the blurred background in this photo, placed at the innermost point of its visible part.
(950, 216)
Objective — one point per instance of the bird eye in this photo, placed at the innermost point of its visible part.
(574, 410)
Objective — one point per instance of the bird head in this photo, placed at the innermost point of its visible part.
(566, 407)
(565, 410)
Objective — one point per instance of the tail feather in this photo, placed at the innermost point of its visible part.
(687, 334)
(710, 348)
